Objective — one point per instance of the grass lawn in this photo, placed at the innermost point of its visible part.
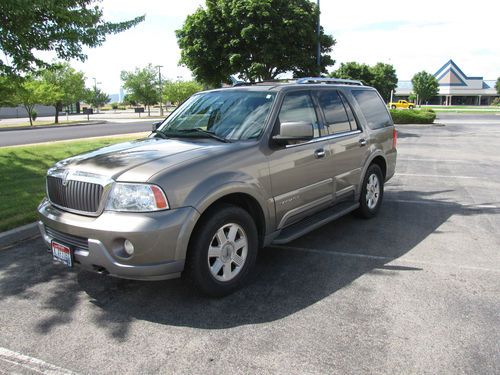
(22, 175)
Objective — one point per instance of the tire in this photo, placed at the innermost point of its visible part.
(230, 233)
(393, 107)
(410, 107)
(373, 187)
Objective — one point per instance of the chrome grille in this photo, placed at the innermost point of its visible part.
(67, 239)
(75, 195)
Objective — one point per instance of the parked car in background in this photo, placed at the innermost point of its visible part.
(230, 171)
(401, 104)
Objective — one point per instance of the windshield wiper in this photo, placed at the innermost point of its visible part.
(203, 131)
(160, 133)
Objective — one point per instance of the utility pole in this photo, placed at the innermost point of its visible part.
(160, 88)
(318, 57)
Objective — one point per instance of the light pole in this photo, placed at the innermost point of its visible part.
(160, 88)
(318, 57)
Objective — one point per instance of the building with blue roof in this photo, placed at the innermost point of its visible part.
(455, 88)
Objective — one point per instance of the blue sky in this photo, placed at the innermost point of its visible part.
(413, 36)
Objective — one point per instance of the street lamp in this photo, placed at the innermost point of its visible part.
(318, 57)
(95, 89)
(160, 87)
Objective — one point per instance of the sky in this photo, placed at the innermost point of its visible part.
(411, 35)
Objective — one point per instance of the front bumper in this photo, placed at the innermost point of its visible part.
(160, 240)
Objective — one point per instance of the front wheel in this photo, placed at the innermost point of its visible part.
(372, 192)
(223, 250)
(393, 107)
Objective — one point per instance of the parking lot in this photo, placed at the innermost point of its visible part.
(415, 290)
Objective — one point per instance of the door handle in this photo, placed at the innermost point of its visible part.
(362, 142)
(320, 153)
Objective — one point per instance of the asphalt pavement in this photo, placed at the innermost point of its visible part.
(415, 290)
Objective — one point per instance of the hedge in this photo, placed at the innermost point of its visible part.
(406, 116)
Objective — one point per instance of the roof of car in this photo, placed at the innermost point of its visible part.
(309, 82)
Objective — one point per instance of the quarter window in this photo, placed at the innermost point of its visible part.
(336, 119)
(373, 108)
(298, 106)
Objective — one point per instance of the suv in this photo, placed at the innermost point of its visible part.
(228, 172)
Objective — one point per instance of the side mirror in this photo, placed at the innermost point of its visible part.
(294, 131)
(156, 125)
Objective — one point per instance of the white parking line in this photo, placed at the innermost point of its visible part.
(433, 175)
(383, 258)
(30, 363)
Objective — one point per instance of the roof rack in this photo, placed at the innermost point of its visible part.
(329, 81)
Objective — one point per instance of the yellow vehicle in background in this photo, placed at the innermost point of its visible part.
(401, 104)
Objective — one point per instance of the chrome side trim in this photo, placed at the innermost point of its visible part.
(305, 207)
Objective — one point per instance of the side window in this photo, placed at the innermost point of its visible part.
(298, 106)
(335, 115)
(373, 108)
(350, 113)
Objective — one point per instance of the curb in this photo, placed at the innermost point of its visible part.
(12, 128)
(18, 234)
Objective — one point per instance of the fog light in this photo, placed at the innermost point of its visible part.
(129, 247)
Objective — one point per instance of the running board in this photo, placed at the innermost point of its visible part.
(316, 221)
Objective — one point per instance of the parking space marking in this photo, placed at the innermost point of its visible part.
(32, 364)
(377, 257)
(434, 175)
(432, 203)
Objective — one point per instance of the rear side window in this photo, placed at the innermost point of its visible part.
(298, 106)
(373, 108)
(336, 119)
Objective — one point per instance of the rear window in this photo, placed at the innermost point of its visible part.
(373, 108)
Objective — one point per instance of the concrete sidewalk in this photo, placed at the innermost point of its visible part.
(113, 116)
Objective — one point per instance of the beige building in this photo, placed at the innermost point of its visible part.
(455, 88)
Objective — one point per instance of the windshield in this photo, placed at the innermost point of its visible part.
(230, 115)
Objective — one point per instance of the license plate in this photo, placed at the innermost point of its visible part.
(62, 253)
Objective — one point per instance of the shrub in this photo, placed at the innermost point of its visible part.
(496, 101)
(425, 109)
(34, 115)
(114, 106)
(412, 117)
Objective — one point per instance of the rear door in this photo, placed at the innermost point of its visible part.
(347, 144)
(301, 178)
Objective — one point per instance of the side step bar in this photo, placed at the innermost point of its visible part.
(311, 223)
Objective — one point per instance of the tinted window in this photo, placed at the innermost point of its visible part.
(373, 108)
(336, 119)
(350, 114)
(298, 106)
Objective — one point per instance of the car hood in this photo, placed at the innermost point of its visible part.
(116, 160)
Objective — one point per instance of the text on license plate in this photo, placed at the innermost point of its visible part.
(62, 253)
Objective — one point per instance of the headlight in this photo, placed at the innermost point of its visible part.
(136, 198)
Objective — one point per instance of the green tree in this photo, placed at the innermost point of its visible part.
(381, 76)
(69, 82)
(425, 85)
(354, 70)
(177, 92)
(31, 91)
(7, 92)
(142, 86)
(497, 85)
(257, 39)
(384, 79)
(65, 27)
(96, 98)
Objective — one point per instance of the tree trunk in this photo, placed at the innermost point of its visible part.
(149, 111)
(56, 120)
(30, 111)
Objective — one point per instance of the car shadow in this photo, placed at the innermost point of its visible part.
(286, 280)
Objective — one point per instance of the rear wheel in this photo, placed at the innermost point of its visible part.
(372, 192)
(223, 250)
(393, 107)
